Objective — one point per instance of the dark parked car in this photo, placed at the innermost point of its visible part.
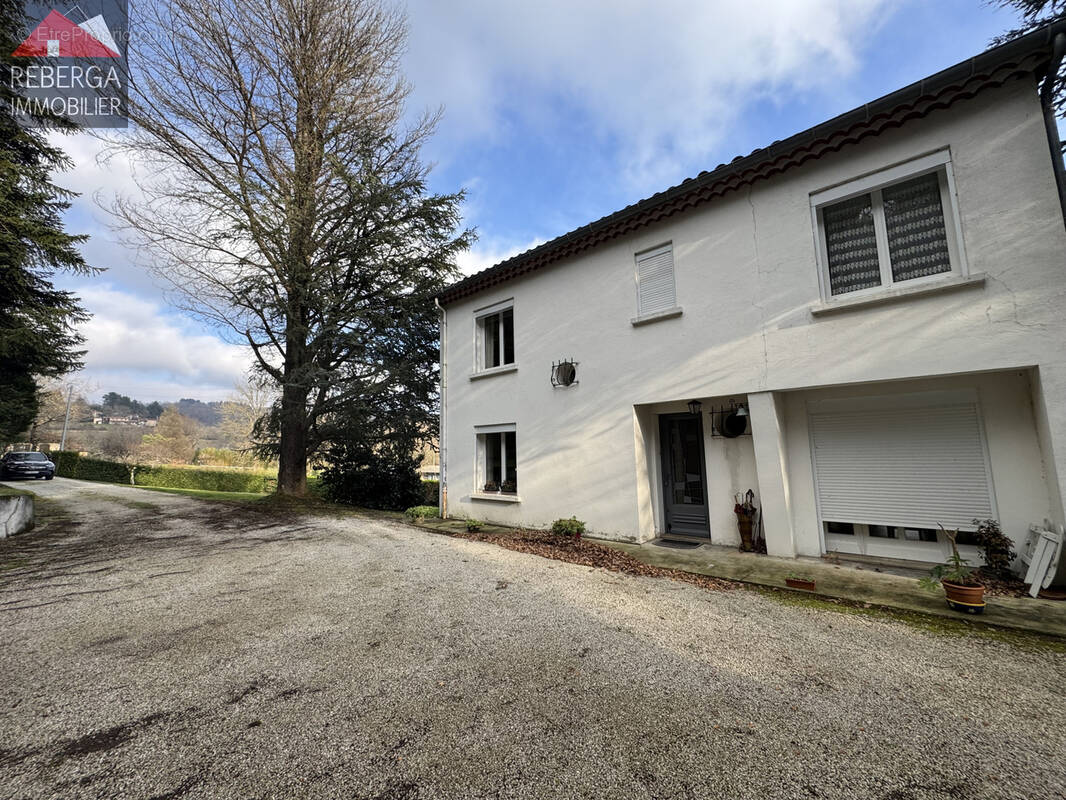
(26, 465)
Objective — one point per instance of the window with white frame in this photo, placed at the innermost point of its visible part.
(890, 228)
(495, 337)
(655, 280)
(497, 455)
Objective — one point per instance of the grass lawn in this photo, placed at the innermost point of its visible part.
(10, 491)
(206, 494)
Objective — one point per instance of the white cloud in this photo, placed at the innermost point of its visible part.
(663, 81)
(136, 348)
(487, 254)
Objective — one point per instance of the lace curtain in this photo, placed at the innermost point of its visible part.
(914, 224)
(914, 220)
(851, 245)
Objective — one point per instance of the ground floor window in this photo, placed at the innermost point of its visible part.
(903, 534)
(497, 448)
(897, 541)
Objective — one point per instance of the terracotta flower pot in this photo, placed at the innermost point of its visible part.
(967, 595)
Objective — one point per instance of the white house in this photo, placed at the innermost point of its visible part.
(870, 316)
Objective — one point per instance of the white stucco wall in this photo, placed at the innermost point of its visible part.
(747, 277)
(16, 514)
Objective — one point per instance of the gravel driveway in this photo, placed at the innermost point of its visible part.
(160, 646)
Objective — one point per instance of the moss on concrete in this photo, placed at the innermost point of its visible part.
(943, 626)
(10, 491)
(868, 585)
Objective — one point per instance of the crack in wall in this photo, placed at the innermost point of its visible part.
(1015, 317)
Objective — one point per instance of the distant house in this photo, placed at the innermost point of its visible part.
(124, 419)
(862, 323)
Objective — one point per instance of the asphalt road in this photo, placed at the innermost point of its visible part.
(159, 646)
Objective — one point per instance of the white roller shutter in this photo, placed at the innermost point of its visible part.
(655, 281)
(915, 467)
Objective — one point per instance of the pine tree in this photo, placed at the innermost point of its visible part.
(1036, 14)
(38, 338)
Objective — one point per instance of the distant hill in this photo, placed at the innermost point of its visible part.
(209, 414)
(115, 404)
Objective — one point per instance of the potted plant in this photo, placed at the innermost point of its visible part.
(963, 591)
(799, 582)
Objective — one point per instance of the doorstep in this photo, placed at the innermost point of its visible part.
(860, 582)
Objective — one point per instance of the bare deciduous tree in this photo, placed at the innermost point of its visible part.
(173, 441)
(121, 443)
(250, 402)
(281, 174)
(52, 408)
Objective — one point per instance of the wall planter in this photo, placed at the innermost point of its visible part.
(800, 583)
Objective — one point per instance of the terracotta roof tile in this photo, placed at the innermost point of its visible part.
(1026, 56)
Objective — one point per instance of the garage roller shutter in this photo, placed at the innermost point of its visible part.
(915, 467)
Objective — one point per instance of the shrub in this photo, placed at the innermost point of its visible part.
(431, 492)
(372, 479)
(474, 525)
(214, 480)
(421, 512)
(70, 464)
(572, 527)
(998, 549)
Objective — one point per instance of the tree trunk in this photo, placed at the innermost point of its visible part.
(292, 457)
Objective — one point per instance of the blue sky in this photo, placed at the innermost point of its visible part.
(556, 113)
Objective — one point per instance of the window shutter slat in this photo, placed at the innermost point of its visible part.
(918, 468)
(655, 282)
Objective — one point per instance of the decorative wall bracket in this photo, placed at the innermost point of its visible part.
(564, 372)
(729, 422)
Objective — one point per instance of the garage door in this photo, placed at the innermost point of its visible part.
(919, 467)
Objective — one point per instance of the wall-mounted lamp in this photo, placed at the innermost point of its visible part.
(742, 410)
(694, 407)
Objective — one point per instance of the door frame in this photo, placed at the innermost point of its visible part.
(664, 476)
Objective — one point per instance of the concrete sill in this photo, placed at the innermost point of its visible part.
(899, 293)
(647, 319)
(488, 373)
(496, 498)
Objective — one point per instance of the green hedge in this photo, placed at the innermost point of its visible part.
(211, 480)
(71, 465)
(431, 492)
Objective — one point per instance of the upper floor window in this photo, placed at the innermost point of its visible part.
(655, 281)
(894, 226)
(495, 336)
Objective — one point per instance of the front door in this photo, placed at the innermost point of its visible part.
(684, 481)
